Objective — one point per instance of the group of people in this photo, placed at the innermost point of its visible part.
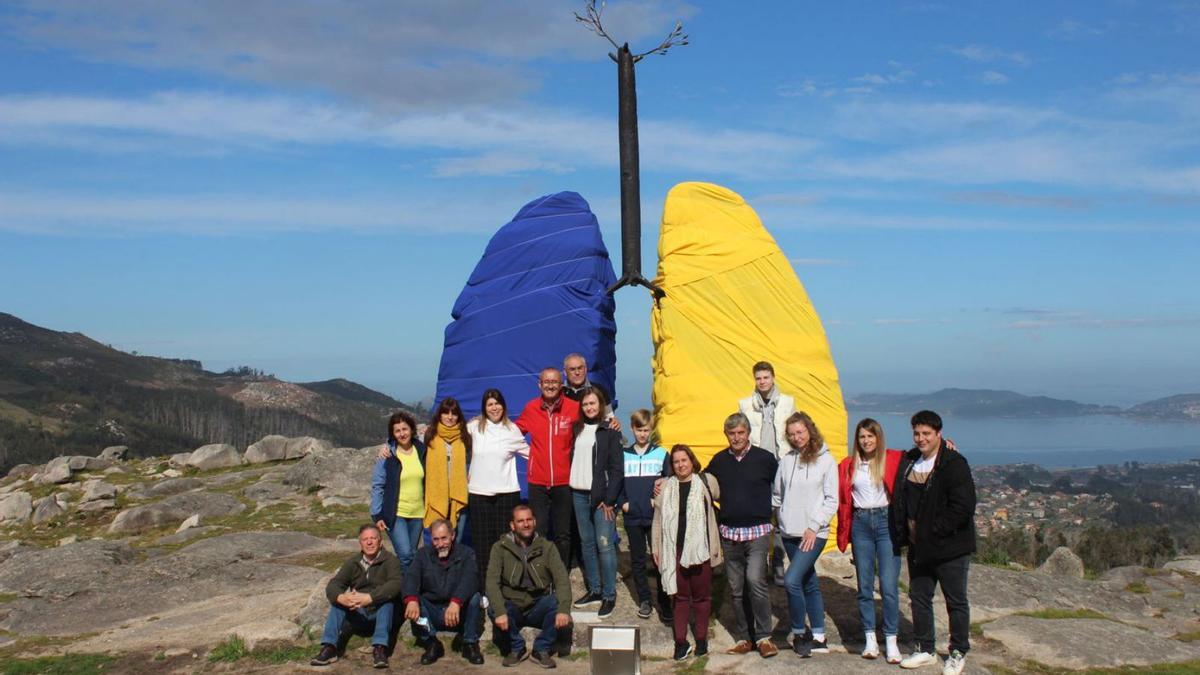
(773, 492)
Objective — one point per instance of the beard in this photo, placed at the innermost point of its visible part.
(443, 553)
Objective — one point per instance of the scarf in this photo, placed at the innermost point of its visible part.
(695, 536)
(445, 495)
(769, 439)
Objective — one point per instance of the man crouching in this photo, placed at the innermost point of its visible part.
(441, 592)
(361, 594)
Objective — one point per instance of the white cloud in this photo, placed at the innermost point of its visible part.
(985, 54)
(994, 77)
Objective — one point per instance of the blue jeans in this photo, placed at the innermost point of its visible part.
(597, 536)
(872, 542)
(374, 620)
(804, 594)
(468, 621)
(542, 614)
(406, 536)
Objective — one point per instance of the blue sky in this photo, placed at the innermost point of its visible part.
(974, 194)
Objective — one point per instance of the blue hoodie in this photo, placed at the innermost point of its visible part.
(641, 470)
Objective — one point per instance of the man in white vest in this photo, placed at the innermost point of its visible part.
(768, 410)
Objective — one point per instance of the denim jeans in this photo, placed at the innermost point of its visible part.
(596, 537)
(374, 620)
(872, 542)
(406, 536)
(468, 621)
(951, 575)
(541, 614)
(746, 571)
(803, 591)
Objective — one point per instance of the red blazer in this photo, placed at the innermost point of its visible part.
(845, 512)
(550, 440)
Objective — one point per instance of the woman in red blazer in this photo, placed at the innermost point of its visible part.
(865, 481)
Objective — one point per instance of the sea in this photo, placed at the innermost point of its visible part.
(1062, 442)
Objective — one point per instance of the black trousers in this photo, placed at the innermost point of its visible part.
(488, 519)
(554, 510)
(952, 575)
(639, 539)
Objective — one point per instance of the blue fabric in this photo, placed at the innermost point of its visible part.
(872, 543)
(468, 621)
(538, 293)
(385, 484)
(597, 541)
(540, 615)
(405, 534)
(803, 591)
(375, 621)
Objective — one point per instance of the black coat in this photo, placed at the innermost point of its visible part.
(945, 517)
(608, 467)
(437, 583)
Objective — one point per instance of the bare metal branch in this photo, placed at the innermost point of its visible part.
(675, 38)
(592, 21)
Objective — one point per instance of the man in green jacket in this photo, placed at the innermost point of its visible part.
(362, 594)
(527, 578)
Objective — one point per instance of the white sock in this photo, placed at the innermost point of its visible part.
(893, 647)
(819, 637)
(872, 645)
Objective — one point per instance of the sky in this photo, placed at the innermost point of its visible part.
(994, 195)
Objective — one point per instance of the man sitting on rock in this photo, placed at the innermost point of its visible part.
(527, 585)
(362, 594)
(441, 581)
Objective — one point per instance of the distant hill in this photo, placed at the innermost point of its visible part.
(1180, 407)
(978, 403)
(65, 393)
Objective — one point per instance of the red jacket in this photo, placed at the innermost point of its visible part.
(845, 514)
(550, 441)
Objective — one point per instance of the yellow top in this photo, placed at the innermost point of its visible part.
(411, 501)
(732, 300)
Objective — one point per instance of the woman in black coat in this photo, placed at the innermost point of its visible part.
(597, 474)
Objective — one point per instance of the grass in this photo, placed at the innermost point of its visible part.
(1058, 613)
(977, 630)
(1138, 587)
(281, 653)
(66, 664)
(229, 651)
(693, 667)
(326, 562)
(8, 597)
(1034, 668)
(1193, 636)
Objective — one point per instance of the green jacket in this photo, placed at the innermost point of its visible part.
(381, 580)
(547, 574)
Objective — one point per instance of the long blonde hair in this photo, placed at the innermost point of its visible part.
(877, 461)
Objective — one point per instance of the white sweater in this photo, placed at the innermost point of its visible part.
(493, 458)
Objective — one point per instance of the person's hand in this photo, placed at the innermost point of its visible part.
(609, 512)
(381, 525)
(625, 507)
(656, 563)
(614, 423)
(345, 600)
(562, 620)
(412, 611)
(384, 452)
(451, 617)
(808, 541)
(658, 486)
(501, 621)
(950, 444)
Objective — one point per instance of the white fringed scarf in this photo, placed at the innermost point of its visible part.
(695, 536)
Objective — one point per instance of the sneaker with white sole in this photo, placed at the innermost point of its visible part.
(893, 655)
(954, 663)
(918, 659)
(871, 651)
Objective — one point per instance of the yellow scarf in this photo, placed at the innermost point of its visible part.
(445, 495)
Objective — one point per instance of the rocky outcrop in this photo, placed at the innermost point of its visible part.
(98, 489)
(57, 470)
(267, 449)
(214, 456)
(163, 488)
(1063, 563)
(23, 471)
(175, 509)
(49, 508)
(1084, 643)
(1188, 564)
(338, 472)
(114, 453)
(16, 506)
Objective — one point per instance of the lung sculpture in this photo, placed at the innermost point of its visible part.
(731, 300)
(537, 294)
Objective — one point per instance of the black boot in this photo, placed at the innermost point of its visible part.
(433, 651)
(471, 653)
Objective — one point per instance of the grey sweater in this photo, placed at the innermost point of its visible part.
(805, 495)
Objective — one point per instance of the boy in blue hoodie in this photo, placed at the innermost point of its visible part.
(645, 462)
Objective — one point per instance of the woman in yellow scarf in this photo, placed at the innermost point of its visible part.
(447, 455)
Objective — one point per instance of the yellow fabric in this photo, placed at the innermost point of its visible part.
(445, 496)
(732, 300)
(410, 498)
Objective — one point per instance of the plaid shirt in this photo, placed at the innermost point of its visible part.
(744, 533)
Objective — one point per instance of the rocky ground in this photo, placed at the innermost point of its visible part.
(215, 561)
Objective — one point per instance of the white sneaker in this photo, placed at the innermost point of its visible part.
(918, 659)
(954, 663)
(893, 652)
(871, 651)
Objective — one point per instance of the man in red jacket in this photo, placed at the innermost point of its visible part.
(549, 420)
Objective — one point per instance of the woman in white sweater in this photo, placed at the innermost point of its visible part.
(492, 487)
(805, 496)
